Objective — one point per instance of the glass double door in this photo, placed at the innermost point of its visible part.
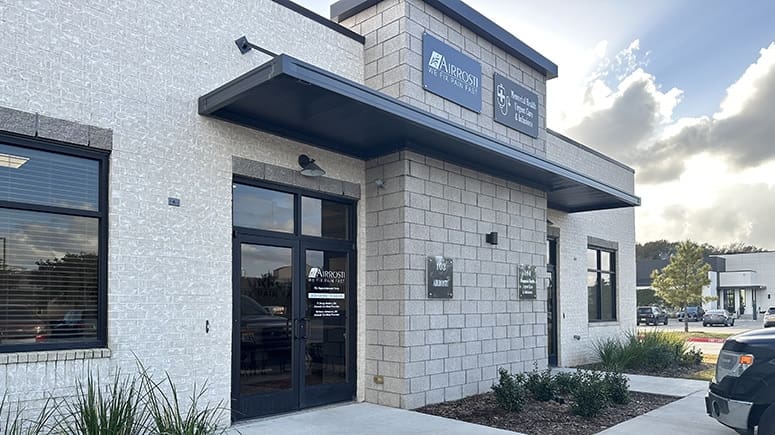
(294, 341)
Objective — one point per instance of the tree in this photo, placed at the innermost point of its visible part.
(680, 282)
(656, 250)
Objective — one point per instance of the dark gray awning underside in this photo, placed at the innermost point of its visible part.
(293, 99)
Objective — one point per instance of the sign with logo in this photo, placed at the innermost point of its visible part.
(439, 277)
(515, 106)
(451, 74)
(527, 281)
(326, 291)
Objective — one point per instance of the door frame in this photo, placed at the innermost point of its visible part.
(553, 360)
(316, 395)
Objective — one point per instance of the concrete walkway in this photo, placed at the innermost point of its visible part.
(362, 418)
(685, 416)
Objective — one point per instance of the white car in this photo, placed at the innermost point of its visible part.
(769, 317)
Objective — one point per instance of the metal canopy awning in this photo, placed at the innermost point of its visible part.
(293, 99)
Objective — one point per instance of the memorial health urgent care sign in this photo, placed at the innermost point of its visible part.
(451, 74)
(515, 106)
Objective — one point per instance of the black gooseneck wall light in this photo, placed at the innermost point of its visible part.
(309, 168)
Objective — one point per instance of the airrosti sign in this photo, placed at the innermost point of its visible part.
(451, 74)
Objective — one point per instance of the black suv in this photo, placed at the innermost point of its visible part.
(742, 393)
(693, 314)
(651, 315)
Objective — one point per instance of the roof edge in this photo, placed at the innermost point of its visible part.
(336, 27)
(471, 19)
(588, 149)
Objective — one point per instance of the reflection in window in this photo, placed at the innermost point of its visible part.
(266, 278)
(324, 218)
(262, 209)
(601, 284)
(39, 177)
(49, 262)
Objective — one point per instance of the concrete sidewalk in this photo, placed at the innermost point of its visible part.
(362, 418)
(685, 416)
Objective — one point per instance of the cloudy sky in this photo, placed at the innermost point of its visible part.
(683, 91)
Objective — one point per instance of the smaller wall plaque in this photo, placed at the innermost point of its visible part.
(439, 271)
(527, 281)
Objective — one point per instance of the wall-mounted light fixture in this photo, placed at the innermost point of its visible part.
(492, 238)
(380, 183)
(309, 168)
(244, 46)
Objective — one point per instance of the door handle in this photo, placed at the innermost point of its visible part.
(300, 329)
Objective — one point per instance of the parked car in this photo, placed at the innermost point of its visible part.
(693, 314)
(653, 315)
(718, 317)
(769, 317)
(740, 395)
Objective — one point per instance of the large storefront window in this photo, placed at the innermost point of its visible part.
(52, 224)
(601, 284)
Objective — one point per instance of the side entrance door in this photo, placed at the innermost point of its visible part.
(293, 316)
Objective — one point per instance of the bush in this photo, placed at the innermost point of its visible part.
(565, 382)
(692, 357)
(654, 351)
(15, 424)
(541, 385)
(590, 394)
(510, 391)
(129, 405)
(168, 417)
(617, 388)
(120, 411)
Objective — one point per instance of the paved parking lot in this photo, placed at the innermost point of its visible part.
(707, 348)
(741, 325)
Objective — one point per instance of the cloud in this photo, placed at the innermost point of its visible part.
(623, 106)
(739, 213)
(741, 132)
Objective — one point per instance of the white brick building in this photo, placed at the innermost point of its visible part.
(152, 203)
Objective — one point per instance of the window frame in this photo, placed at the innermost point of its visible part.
(599, 284)
(101, 214)
(298, 193)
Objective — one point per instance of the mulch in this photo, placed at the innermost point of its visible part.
(544, 418)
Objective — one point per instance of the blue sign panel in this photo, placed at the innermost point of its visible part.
(451, 74)
(515, 106)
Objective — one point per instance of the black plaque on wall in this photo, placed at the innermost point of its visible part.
(439, 271)
(527, 281)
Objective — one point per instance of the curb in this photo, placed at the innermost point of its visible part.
(705, 340)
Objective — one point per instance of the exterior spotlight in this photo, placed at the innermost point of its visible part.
(309, 168)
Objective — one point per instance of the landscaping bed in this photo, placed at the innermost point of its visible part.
(703, 371)
(544, 418)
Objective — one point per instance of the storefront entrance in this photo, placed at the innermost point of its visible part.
(294, 301)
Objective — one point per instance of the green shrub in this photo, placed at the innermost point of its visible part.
(120, 410)
(590, 395)
(617, 388)
(14, 422)
(652, 351)
(565, 382)
(510, 391)
(169, 418)
(614, 354)
(692, 357)
(541, 385)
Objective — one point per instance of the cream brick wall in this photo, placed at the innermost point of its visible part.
(138, 68)
(590, 163)
(612, 225)
(393, 64)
